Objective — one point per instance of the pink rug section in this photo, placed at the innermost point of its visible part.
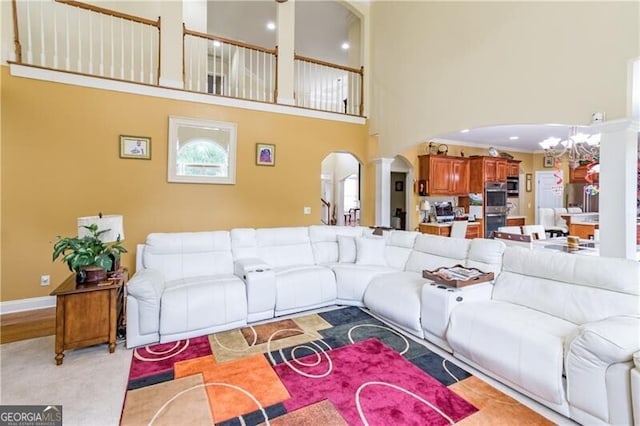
(155, 359)
(395, 401)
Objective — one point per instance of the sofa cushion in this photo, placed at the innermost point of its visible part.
(432, 251)
(202, 302)
(399, 247)
(243, 243)
(396, 296)
(284, 246)
(370, 251)
(485, 255)
(352, 281)
(346, 249)
(519, 344)
(576, 288)
(188, 254)
(303, 287)
(325, 244)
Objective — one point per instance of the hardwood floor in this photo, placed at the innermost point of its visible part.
(27, 325)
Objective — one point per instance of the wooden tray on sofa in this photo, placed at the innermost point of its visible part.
(457, 276)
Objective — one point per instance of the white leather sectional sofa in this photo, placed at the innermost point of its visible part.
(559, 328)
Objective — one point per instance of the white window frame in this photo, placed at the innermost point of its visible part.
(174, 125)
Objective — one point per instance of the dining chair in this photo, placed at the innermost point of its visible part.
(537, 232)
(574, 210)
(546, 216)
(459, 229)
(560, 222)
(510, 229)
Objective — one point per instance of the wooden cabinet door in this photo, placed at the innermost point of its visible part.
(579, 175)
(513, 168)
(459, 177)
(501, 170)
(490, 173)
(439, 176)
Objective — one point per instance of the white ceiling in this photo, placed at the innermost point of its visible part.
(321, 26)
(529, 135)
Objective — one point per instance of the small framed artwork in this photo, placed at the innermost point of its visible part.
(528, 182)
(135, 147)
(265, 154)
(399, 186)
(549, 161)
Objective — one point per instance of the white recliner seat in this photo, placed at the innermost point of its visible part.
(557, 315)
(635, 388)
(184, 287)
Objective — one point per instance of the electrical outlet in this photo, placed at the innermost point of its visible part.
(307, 210)
(45, 280)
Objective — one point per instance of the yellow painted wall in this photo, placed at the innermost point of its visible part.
(60, 160)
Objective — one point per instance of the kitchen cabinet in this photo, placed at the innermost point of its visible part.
(444, 175)
(515, 221)
(474, 229)
(486, 169)
(513, 168)
(579, 175)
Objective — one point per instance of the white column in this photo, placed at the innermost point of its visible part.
(618, 175)
(286, 45)
(171, 44)
(383, 191)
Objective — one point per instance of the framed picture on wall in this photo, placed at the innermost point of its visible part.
(135, 147)
(399, 186)
(265, 154)
(548, 161)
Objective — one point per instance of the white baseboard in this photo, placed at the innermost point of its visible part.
(30, 304)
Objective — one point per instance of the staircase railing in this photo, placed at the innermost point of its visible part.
(328, 87)
(326, 212)
(86, 39)
(216, 65)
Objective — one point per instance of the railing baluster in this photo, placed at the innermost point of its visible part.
(101, 44)
(199, 68)
(151, 29)
(90, 46)
(79, 42)
(113, 43)
(190, 52)
(214, 85)
(131, 47)
(29, 40)
(67, 30)
(55, 38)
(122, 48)
(142, 53)
(43, 58)
(250, 75)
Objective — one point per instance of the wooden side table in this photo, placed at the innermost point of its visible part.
(88, 314)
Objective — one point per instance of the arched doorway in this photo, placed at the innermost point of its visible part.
(340, 189)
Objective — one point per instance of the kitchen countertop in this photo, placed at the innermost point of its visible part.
(516, 217)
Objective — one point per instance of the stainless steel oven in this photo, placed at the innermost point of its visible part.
(495, 200)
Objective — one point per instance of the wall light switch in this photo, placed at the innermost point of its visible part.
(307, 210)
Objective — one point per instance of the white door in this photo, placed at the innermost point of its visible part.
(549, 190)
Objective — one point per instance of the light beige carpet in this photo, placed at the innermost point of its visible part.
(90, 384)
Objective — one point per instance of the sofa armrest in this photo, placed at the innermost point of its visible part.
(599, 352)
(147, 286)
(242, 267)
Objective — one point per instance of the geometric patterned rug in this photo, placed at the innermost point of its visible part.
(341, 367)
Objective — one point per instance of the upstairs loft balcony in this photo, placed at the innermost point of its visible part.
(84, 39)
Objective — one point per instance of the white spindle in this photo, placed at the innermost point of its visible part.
(199, 70)
(141, 52)
(90, 45)
(43, 58)
(251, 74)
(213, 64)
(79, 42)
(151, 29)
(113, 48)
(271, 81)
(264, 76)
(55, 39)
(132, 49)
(190, 74)
(234, 60)
(67, 30)
(102, 17)
(121, 48)
(29, 40)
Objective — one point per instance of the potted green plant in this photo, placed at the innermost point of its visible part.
(82, 254)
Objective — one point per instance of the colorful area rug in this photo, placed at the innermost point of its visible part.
(341, 367)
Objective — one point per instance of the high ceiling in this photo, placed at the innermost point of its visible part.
(321, 26)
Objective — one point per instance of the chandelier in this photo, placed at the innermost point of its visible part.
(579, 148)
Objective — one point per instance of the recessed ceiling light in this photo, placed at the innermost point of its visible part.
(271, 25)
(514, 138)
(345, 46)
(464, 131)
(216, 43)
